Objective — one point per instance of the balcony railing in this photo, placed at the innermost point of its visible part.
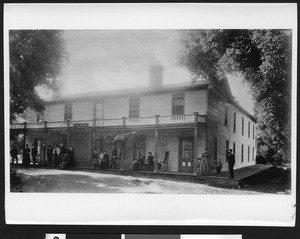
(122, 122)
(140, 121)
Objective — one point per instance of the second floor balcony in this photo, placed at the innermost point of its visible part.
(192, 119)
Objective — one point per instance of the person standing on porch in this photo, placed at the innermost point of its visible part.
(33, 154)
(71, 154)
(26, 156)
(49, 155)
(14, 155)
(95, 160)
(205, 164)
(56, 152)
(231, 163)
(114, 155)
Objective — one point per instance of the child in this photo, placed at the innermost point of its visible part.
(219, 167)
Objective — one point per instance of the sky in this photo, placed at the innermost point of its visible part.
(103, 60)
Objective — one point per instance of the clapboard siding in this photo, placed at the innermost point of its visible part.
(194, 101)
(156, 105)
(83, 111)
(54, 112)
(116, 108)
(216, 128)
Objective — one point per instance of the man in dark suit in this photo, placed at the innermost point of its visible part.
(231, 162)
(34, 154)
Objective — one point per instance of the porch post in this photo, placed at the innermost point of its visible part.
(195, 143)
(156, 144)
(25, 134)
(68, 132)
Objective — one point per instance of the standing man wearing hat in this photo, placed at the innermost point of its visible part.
(231, 162)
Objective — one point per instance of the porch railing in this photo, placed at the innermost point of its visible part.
(109, 122)
(178, 119)
(142, 121)
(57, 124)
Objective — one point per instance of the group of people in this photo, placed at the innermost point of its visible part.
(204, 164)
(101, 161)
(60, 156)
(26, 155)
(57, 156)
(141, 165)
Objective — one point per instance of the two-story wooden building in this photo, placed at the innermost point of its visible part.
(174, 120)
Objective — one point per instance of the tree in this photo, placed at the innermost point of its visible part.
(264, 59)
(36, 58)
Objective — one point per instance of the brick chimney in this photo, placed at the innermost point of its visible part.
(156, 76)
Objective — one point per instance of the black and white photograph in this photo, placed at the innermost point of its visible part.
(157, 113)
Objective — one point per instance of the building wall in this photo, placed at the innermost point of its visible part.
(218, 129)
(83, 110)
(116, 108)
(194, 101)
(158, 105)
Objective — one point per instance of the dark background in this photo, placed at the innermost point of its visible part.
(113, 232)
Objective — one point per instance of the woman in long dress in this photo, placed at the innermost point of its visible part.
(204, 165)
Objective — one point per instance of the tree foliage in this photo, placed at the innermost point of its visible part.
(264, 59)
(36, 58)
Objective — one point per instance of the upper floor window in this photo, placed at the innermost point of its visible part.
(242, 153)
(177, 104)
(68, 111)
(40, 116)
(248, 153)
(226, 115)
(99, 110)
(134, 107)
(253, 131)
(248, 129)
(234, 122)
(242, 126)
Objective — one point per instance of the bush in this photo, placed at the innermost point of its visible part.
(15, 180)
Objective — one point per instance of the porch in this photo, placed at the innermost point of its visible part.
(118, 122)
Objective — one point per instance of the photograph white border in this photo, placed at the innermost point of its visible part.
(156, 209)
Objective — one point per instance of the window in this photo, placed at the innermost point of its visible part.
(253, 131)
(242, 126)
(226, 115)
(233, 148)
(99, 110)
(68, 111)
(216, 148)
(242, 153)
(40, 116)
(234, 122)
(134, 107)
(177, 104)
(253, 154)
(248, 129)
(248, 153)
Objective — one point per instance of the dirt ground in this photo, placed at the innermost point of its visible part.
(67, 181)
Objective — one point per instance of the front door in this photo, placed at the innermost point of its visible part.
(186, 162)
(40, 157)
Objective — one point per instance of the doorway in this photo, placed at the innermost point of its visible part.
(186, 149)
